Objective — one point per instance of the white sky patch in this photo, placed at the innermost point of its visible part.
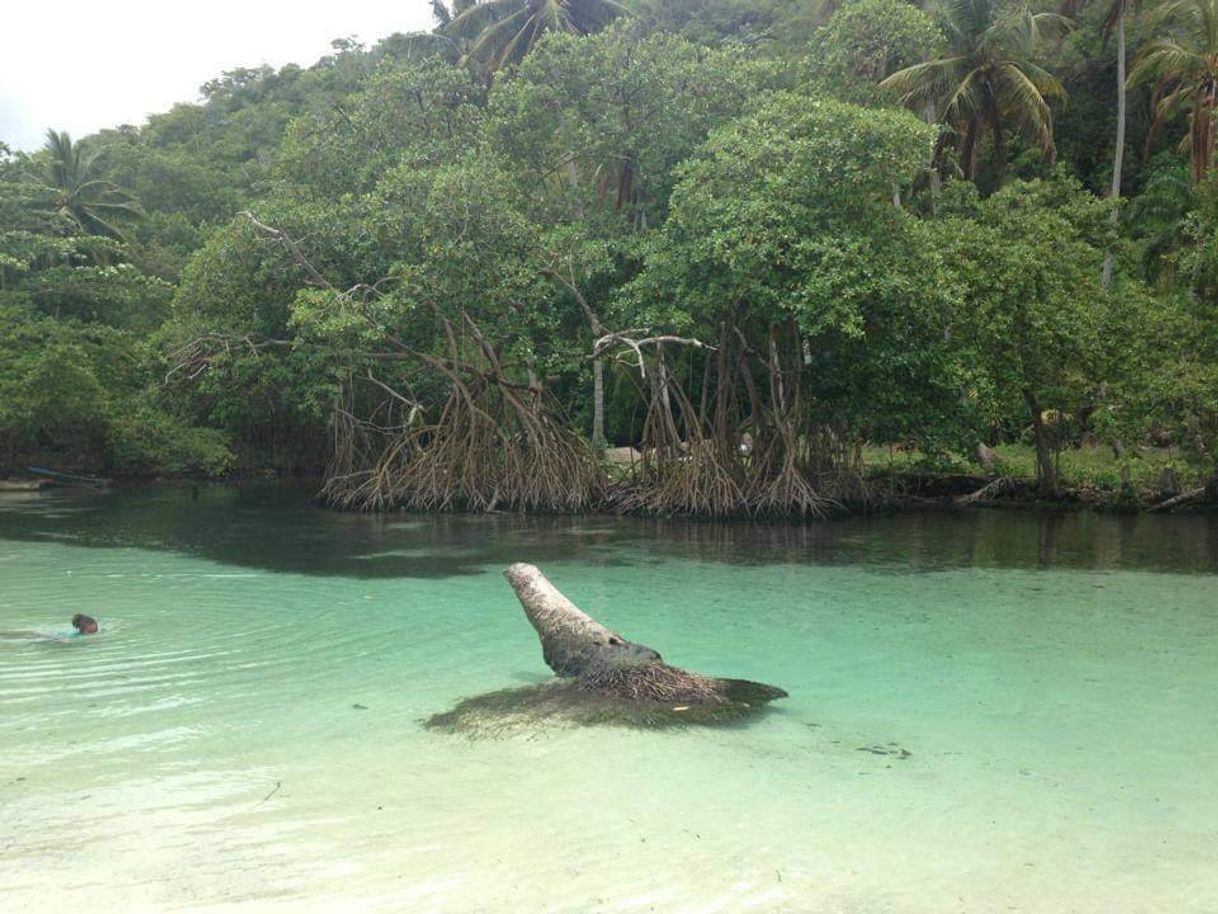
(81, 66)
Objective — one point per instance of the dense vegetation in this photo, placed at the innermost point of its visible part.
(754, 239)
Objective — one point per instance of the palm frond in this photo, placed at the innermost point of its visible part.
(472, 23)
(964, 102)
(1045, 82)
(514, 51)
(593, 15)
(96, 225)
(1161, 57)
(489, 44)
(926, 81)
(425, 45)
(503, 31)
(1021, 98)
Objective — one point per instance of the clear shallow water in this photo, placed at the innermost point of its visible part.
(988, 712)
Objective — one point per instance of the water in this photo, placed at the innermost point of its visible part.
(989, 712)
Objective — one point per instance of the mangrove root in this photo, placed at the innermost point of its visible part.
(495, 444)
(602, 677)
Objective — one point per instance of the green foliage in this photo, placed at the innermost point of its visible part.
(79, 395)
(1042, 336)
(866, 41)
(787, 216)
(1158, 222)
(471, 242)
(608, 118)
(144, 440)
(78, 196)
(780, 24)
(422, 114)
(1181, 62)
(987, 81)
(1030, 267)
(322, 250)
(117, 294)
(51, 399)
(776, 195)
(499, 33)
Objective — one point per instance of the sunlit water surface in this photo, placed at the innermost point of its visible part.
(988, 712)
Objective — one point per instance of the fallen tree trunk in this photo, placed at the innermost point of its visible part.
(572, 642)
(1003, 485)
(602, 677)
(1184, 498)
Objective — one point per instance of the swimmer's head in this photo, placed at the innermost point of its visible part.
(86, 625)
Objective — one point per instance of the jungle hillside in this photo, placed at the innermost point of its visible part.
(673, 257)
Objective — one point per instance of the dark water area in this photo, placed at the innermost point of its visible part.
(281, 528)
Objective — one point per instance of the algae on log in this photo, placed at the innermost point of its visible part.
(603, 678)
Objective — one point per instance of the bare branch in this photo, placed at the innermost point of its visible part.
(197, 356)
(626, 338)
(292, 248)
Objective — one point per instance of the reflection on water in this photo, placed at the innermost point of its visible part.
(988, 711)
(278, 528)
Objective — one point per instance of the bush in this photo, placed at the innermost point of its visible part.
(144, 440)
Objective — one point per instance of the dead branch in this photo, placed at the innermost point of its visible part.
(626, 338)
(1184, 498)
(197, 356)
(291, 247)
(1003, 485)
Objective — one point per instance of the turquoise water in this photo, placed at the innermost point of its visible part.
(988, 712)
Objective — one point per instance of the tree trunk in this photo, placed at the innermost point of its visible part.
(936, 156)
(602, 679)
(572, 642)
(1118, 155)
(1202, 131)
(573, 182)
(1192, 495)
(1045, 467)
(664, 385)
(598, 403)
(598, 365)
(576, 646)
(999, 159)
(968, 154)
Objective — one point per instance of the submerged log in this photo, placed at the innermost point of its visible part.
(602, 677)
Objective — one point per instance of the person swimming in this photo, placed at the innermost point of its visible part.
(84, 625)
(81, 625)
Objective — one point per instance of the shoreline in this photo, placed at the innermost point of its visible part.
(891, 493)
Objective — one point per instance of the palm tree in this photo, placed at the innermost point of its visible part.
(1114, 22)
(987, 81)
(94, 205)
(501, 32)
(446, 12)
(1182, 63)
(433, 45)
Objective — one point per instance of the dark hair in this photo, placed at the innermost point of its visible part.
(80, 620)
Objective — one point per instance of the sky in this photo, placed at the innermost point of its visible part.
(80, 66)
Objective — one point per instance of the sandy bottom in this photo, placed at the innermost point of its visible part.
(239, 737)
